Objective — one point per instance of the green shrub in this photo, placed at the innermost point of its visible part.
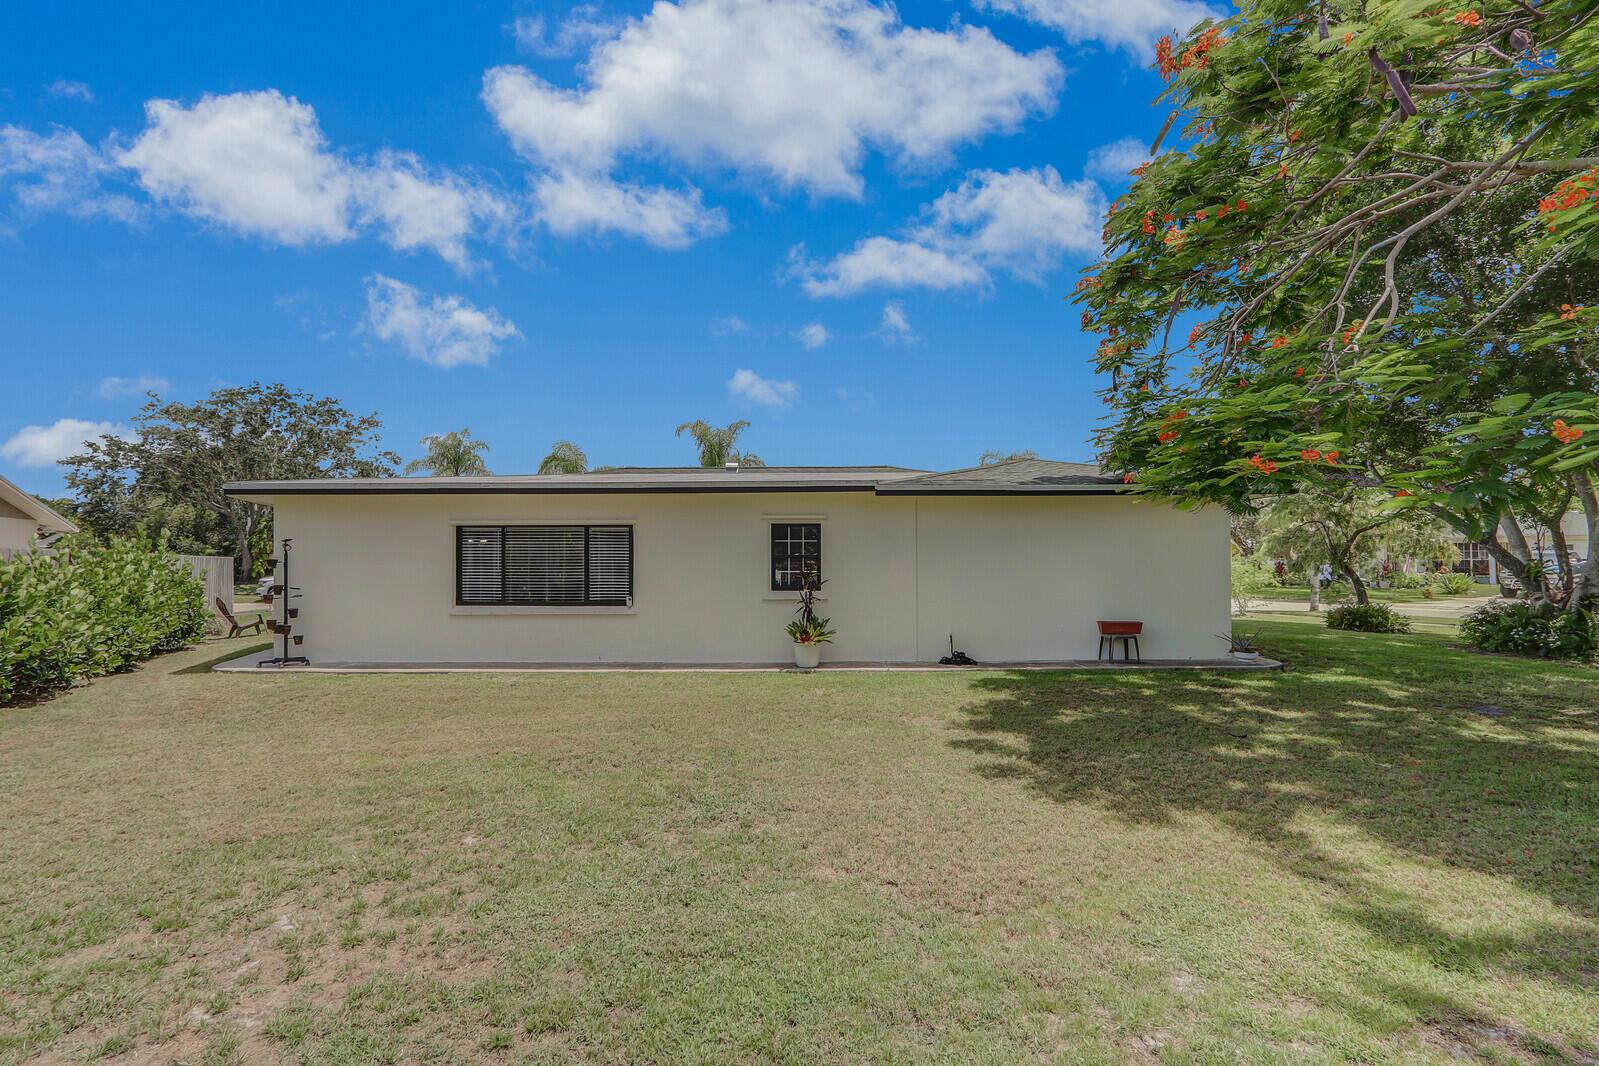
(1454, 584)
(1252, 580)
(1403, 580)
(1368, 618)
(1531, 629)
(92, 609)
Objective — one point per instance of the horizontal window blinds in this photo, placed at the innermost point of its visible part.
(555, 566)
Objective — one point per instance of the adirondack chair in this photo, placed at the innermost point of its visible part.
(234, 626)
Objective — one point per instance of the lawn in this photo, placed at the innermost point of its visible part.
(1301, 593)
(1345, 862)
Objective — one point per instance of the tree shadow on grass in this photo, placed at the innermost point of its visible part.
(1375, 733)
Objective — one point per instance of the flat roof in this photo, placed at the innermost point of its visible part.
(1017, 477)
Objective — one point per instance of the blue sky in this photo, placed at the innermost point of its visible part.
(851, 224)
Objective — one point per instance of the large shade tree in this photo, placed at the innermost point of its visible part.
(1348, 529)
(174, 469)
(1373, 264)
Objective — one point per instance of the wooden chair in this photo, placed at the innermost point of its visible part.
(234, 627)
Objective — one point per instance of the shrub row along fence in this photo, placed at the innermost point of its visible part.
(90, 609)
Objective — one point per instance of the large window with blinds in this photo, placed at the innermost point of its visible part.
(544, 566)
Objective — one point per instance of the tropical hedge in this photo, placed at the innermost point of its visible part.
(92, 608)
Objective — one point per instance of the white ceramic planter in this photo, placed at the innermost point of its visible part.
(1246, 656)
(807, 656)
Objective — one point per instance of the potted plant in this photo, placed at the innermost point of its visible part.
(1243, 647)
(807, 631)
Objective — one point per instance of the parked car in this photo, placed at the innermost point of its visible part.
(263, 586)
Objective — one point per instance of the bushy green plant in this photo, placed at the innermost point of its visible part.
(92, 608)
(1453, 584)
(1368, 618)
(1539, 629)
(1252, 579)
(1404, 580)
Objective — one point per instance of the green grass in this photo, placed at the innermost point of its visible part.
(1341, 863)
(1301, 594)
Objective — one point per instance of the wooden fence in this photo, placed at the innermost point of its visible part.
(217, 573)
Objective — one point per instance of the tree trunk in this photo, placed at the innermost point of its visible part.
(1315, 588)
(244, 561)
(1585, 583)
(1362, 597)
(1516, 556)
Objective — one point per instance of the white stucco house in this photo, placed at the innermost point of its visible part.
(1017, 560)
(24, 520)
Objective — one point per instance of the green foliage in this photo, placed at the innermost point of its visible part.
(813, 631)
(1374, 260)
(452, 454)
(718, 445)
(170, 476)
(1368, 618)
(92, 608)
(1346, 528)
(1523, 628)
(564, 458)
(1252, 579)
(1401, 579)
(1454, 584)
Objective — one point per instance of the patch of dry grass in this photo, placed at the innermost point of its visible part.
(1342, 863)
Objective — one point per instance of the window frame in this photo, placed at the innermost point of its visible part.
(772, 526)
(585, 527)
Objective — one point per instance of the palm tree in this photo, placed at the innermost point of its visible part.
(717, 444)
(564, 458)
(453, 454)
(989, 458)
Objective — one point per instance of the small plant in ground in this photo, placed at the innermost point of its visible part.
(1368, 618)
(1454, 584)
(1539, 629)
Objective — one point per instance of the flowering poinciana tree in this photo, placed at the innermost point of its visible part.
(1375, 264)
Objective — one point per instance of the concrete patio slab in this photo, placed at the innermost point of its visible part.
(248, 664)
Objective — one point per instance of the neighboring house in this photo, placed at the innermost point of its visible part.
(658, 565)
(24, 520)
(1475, 560)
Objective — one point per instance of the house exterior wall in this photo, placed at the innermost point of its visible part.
(15, 533)
(1012, 578)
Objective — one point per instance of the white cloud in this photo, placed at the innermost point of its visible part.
(1131, 25)
(60, 172)
(812, 335)
(66, 89)
(48, 445)
(444, 331)
(115, 388)
(1115, 161)
(728, 326)
(571, 203)
(1019, 222)
(895, 326)
(792, 90)
(750, 386)
(259, 163)
(581, 27)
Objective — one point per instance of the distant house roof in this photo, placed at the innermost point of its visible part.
(29, 505)
(1010, 477)
(1023, 476)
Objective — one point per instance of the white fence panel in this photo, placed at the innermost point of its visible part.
(217, 573)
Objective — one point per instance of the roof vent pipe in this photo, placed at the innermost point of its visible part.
(731, 466)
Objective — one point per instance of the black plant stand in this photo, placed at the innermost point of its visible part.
(283, 625)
